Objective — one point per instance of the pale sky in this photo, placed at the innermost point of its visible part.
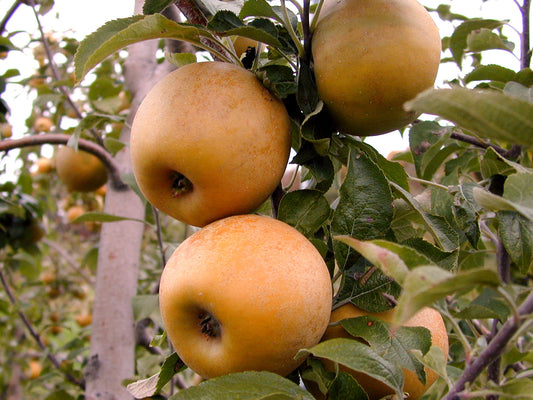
(85, 16)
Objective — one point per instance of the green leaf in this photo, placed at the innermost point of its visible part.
(516, 233)
(150, 386)
(117, 34)
(492, 72)
(458, 40)
(306, 210)
(307, 94)
(346, 387)
(425, 285)
(259, 8)
(489, 304)
(389, 262)
(364, 210)
(494, 202)
(365, 207)
(372, 330)
(519, 91)
(493, 163)
(393, 171)
(155, 6)
(484, 39)
(224, 21)
(360, 357)
(99, 216)
(180, 59)
(445, 236)
(249, 385)
(487, 113)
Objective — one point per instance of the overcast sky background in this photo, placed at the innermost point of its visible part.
(81, 17)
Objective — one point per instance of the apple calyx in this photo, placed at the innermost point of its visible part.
(209, 326)
(180, 184)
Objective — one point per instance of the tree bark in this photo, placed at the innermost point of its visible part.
(112, 352)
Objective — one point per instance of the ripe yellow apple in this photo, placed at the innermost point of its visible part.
(6, 130)
(43, 165)
(245, 293)
(84, 319)
(427, 317)
(75, 212)
(370, 57)
(34, 369)
(209, 141)
(42, 124)
(78, 170)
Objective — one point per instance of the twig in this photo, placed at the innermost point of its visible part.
(484, 145)
(35, 335)
(525, 54)
(55, 72)
(194, 15)
(306, 31)
(493, 350)
(60, 138)
(9, 14)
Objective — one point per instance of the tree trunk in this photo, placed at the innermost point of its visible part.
(112, 339)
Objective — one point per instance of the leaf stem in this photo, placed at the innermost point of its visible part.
(290, 29)
(60, 138)
(428, 183)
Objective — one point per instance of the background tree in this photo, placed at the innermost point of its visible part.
(451, 219)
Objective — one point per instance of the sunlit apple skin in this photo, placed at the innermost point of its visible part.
(370, 57)
(265, 284)
(427, 317)
(217, 125)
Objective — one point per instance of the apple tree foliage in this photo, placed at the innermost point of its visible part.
(446, 223)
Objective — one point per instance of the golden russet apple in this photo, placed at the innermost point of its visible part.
(209, 141)
(79, 170)
(370, 57)
(245, 293)
(427, 317)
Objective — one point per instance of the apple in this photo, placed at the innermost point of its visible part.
(209, 141)
(245, 293)
(74, 212)
(78, 170)
(6, 130)
(370, 57)
(427, 317)
(42, 124)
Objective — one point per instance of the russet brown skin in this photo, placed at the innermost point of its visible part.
(370, 57)
(245, 293)
(217, 125)
(427, 317)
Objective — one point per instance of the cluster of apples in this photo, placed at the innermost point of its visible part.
(209, 144)
(245, 292)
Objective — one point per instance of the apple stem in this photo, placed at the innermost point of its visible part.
(209, 325)
(180, 185)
